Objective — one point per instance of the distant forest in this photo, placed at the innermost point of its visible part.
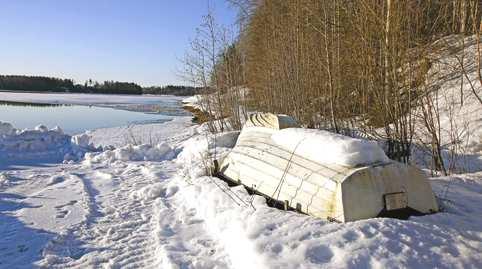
(50, 84)
(173, 90)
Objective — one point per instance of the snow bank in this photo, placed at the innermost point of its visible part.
(199, 151)
(40, 144)
(199, 101)
(226, 220)
(82, 140)
(44, 145)
(6, 129)
(329, 148)
(271, 238)
(143, 152)
(193, 101)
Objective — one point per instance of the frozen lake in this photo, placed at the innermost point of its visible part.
(76, 113)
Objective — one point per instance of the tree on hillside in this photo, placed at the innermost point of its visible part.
(356, 67)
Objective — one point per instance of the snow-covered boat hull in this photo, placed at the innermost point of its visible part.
(327, 191)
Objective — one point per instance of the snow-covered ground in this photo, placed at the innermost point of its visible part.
(152, 206)
(145, 201)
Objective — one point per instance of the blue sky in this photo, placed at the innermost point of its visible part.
(126, 40)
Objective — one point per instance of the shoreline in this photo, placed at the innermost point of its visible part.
(88, 93)
(198, 116)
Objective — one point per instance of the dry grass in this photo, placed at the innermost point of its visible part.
(199, 116)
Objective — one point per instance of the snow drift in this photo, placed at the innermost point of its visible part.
(41, 143)
(193, 101)
(198, 151)
(143, 152)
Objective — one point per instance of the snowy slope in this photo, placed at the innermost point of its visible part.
(459, 111)
(455, 96)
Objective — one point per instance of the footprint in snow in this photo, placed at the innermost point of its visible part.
(22, 248)
(71, 202)
(319, 254)
(62, 214)
(55, 180)
(350, 236)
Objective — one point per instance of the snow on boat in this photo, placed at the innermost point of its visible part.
(324, 174)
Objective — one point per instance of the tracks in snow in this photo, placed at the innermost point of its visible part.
(135, 219)
(181, 236)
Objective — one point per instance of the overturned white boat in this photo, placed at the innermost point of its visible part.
(324, 174)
